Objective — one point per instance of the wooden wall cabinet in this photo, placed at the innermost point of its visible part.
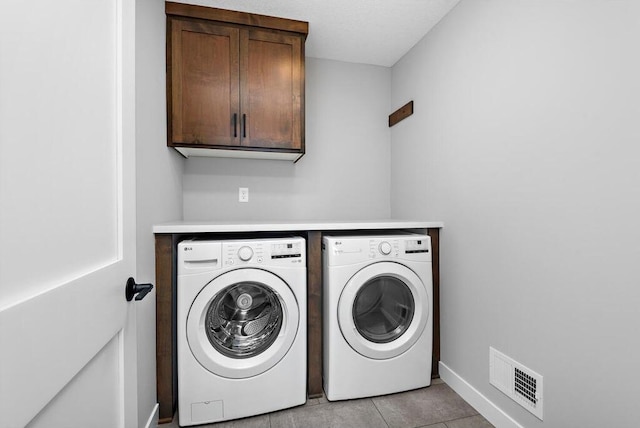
(235, 83)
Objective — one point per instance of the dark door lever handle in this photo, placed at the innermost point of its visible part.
(131, 289)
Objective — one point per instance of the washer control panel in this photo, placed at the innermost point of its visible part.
(416, 246)
(197, 255)
(286, 250)
(245, 253)
(278, 251)
(383, 247)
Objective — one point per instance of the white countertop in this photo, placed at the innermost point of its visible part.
(289, 225)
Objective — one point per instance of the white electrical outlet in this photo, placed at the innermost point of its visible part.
(243, 194)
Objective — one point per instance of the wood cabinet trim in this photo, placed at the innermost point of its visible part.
(239, 148)
(168, 83)
(234, 17)
(314, 314)
(435, 274)
(165, 386)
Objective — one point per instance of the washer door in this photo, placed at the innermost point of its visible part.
(383, 310)
(242, 323)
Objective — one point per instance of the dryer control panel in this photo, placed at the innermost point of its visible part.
(342, 250)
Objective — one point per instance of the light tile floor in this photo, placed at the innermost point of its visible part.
(436, 406)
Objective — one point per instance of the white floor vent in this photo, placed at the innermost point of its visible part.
(521, 384)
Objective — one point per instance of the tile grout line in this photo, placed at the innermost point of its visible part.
(464, 417)
(379, 412)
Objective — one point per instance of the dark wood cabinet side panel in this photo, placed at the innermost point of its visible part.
(168, 83)
(164, 321)
(435, 264)
(314, 314)
(300, 102)
(174, 77)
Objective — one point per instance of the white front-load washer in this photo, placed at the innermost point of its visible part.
(241, 321)
(377, 314)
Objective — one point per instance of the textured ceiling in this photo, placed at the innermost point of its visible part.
(375, 32)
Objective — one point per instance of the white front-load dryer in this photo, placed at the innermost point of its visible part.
(241, 321)
(377, 314)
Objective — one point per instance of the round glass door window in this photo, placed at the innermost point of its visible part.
(244, 319)
(383, 309)
(242, 323)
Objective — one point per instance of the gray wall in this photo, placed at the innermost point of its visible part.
(343, 175)
(525, 142)
(159, 173)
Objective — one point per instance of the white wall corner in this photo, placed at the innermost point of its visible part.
(152, 422)
(482, 404)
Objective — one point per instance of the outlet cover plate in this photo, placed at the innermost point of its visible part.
(243, 194)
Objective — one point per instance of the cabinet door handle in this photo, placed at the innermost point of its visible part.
(244, 126)
(235, 125)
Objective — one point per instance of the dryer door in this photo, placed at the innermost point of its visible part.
(242, 323)
(383, 310)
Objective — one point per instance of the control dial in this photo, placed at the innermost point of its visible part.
(245, 253)
(385, 248)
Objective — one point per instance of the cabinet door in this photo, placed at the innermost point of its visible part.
(272, 76)
(205, 96)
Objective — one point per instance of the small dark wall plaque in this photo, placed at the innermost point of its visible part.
(400, 114)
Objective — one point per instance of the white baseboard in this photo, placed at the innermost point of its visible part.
(482, 404)
(152, 422)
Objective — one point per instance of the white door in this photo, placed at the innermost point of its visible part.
(67, 213)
